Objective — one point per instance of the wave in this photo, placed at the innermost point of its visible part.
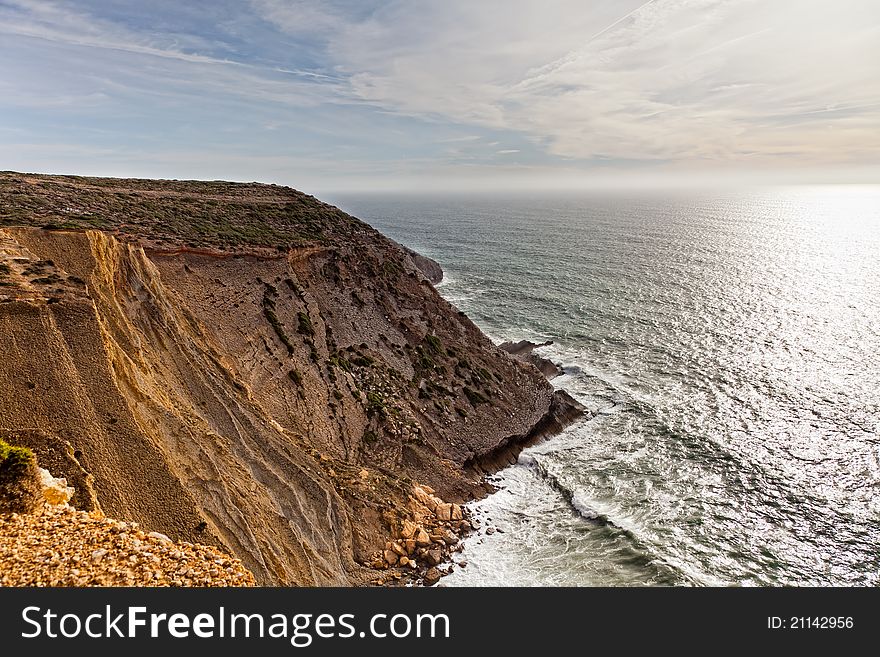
(614, 396)
(446, 281)
(640, 553)
(578, 506)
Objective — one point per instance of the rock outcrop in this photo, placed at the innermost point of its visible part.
(58, 457)
(240, 365)
(431, 269)
(524, 351)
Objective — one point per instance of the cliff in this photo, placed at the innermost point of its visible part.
(244, 366)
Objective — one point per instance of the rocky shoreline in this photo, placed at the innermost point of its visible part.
(46, 542)
(524, 351)
(420, 549)
(421, 552)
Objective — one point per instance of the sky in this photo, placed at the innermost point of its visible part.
(340, 95)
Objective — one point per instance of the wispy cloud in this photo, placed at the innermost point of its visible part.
(50, 21)
(451, 140)
(666, 79)
(145, 61)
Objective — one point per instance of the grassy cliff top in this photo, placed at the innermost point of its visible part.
(172, 213)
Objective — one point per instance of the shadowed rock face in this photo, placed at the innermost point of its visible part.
(524, 351)
(274, 387)
(430, 268)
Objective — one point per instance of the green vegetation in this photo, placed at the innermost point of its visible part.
(14, 458)
(428, 356)
(269, 312)
(348, 364)
(338, 360)
(483, 373)
(391, 268)
(423, 360)
(305, 324)
(434, 344)
(296, 377)
(474, 397)
(362, 360)
(376, 404)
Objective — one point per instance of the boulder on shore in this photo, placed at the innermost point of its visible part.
(432, 576)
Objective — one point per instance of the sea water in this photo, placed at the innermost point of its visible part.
(728, 344)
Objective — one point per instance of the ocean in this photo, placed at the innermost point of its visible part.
(729, 346)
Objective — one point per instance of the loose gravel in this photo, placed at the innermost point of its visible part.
(60, 546)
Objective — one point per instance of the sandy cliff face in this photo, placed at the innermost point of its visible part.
(278, 402)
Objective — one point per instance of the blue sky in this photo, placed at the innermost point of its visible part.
(435, 95)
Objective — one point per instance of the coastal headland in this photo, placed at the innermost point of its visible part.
(244, 367)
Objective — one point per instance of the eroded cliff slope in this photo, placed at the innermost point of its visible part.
(242, 365)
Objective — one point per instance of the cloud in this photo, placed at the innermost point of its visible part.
(450, 140)
(54, 22)
(658, 80)
(100, 58)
